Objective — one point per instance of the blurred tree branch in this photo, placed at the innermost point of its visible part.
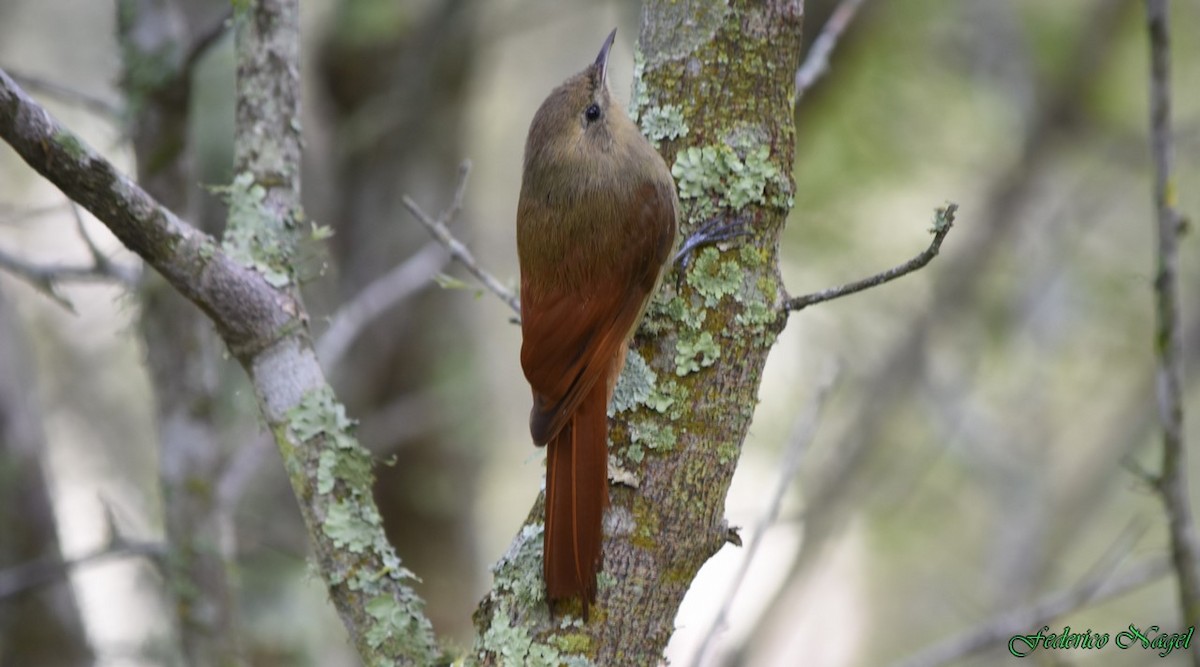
(816, 62)
(263, 323)
(27, 576)
(1168, 338)
(97, 105)
(42, 626)
(999, 630)
(384, 293)
(48, 278)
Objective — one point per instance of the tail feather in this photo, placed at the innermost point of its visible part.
(576, 496)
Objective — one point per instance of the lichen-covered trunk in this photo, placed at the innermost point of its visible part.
(714, 89)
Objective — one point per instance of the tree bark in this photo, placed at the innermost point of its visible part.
(714, 88)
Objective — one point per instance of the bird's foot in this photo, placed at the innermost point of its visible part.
(713, 231)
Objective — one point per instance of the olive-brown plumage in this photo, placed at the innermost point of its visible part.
(596, 223)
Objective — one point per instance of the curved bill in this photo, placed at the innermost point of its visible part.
(602, 59)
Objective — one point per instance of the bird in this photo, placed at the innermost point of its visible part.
(597, 220)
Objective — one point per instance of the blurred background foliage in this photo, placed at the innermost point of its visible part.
(988, 414)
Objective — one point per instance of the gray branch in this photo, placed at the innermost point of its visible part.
(458, 250)
(1173, 483)
(943, 222)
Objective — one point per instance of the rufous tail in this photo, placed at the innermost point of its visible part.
(576, 496)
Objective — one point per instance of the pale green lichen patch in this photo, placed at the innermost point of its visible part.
(714, 278)
(351, 521)
(71, 144)
(634, 386)
(392, 620)
(664, 316)
(638, 386)
(319, 413)
(520, 570)
(252, 237)
(730, 177)
(652, 434)
(349, 527)
(665, 122)
(695, 351)
(639, 98)
(756, 315)
(513, 646)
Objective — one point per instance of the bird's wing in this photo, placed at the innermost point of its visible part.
(571, 338)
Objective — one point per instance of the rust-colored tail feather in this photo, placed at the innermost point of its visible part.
(576, 495)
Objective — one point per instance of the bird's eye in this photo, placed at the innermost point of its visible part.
(592, 113)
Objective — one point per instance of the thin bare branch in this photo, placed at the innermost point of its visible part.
(803, 430)
(1168, 338)
(101, 263)
(816, 63)
(458, 250)
(942, 223)
(48, 278)
(238, 298)
(383, 294)
(96, 105)
(11, 214)
(1002, 629)
(34, 574)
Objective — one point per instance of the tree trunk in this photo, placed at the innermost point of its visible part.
(715, 92)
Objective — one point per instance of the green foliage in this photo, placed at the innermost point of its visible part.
(363, 23)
